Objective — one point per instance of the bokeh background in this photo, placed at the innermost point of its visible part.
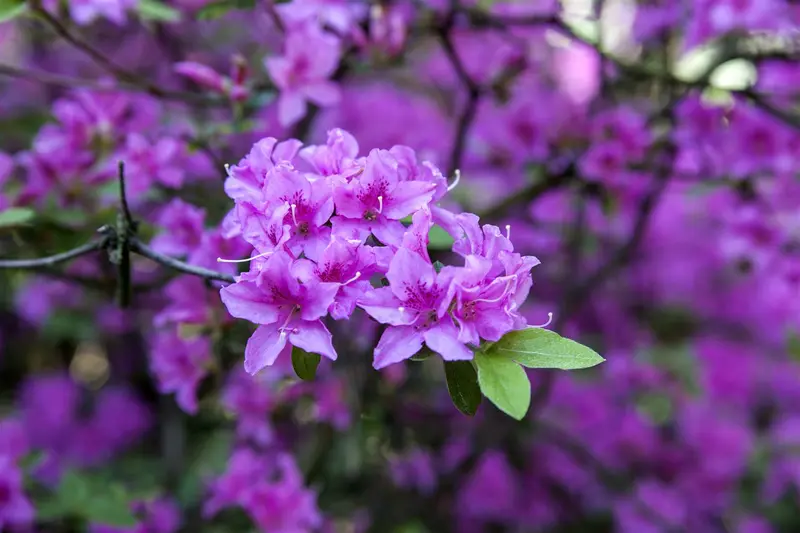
(647, 152)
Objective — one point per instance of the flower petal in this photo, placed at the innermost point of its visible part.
(443, 339)
(263, 348)
(313, 337)
(396, 344)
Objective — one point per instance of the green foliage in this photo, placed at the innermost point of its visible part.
(207, 460)
(462, 384)
(305, 364)
(89, 498)
(15, 216)
(158, 11)
(439, 239)
(218, 9)
(504, 383)
(542, 348)
(10, 9)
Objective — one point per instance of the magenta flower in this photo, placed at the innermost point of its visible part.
(284, 505)
(310, 206)
(302, 73)
(15, 508)
(337, 157)
(415, 307)
(246, 179)
(179, 366)
(378, 199)
(182, 226)
(207, 77)
(288, 312)
(348, 263)
(246, 469)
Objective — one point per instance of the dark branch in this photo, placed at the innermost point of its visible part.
(474, 90)
(142, 249)
(118, 72)
(44, 262)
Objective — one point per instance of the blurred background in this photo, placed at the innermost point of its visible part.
(646, 151)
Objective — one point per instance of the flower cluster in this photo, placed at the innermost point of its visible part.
(327, 229)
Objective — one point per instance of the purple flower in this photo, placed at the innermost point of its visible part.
(415, 307)
(378, 199)
(251, 399)
(179, 366)
(284, 505)
(348, 263)
(146, 163)
(289, 313)
(337, 157)
(15, 508)
(246, 180)
(414, 471)
(245, 470)
(490, 491)
(182, 228)
(310, 58)
(310, 206)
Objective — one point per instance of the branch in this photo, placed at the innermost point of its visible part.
(790, 119)
(142, 249)
(111, 67)
(474, 90)
(45, 262)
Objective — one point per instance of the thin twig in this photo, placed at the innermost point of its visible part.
(44, 262)
(474, 91)
(142, 249)
(118, 72)
(126, 229)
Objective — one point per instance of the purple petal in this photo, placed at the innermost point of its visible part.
(443, 339)
(396, 344)
(318, 299)
(291, 107)
(245, 300)
(409, 272)
(313, 337)
(263, 348)
(382, 305)
(408, 197)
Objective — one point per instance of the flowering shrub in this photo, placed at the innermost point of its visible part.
(185, 343)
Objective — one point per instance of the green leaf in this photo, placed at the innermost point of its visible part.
(462, 384)
(15, 216)
(505, 383)
(218, 9)
(542, 348)
(207, 460)
(10, 9)
(111, 507)
(439, 239)
(158, 11)
(305, 364)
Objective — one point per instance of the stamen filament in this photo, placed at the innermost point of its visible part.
(294, 213)
(549, 320)
(508, 231)
(380, 204)
(221, 260)
(456, 179)
(351, 280)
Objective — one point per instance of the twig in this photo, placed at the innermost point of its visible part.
(118, 72)
(126, 228)
(474, 90)
(142, 249)
(761, 102)
(44, 262)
